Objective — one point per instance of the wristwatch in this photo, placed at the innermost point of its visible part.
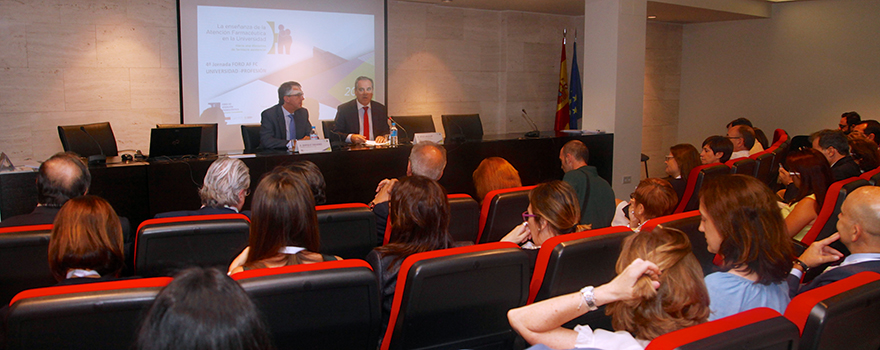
(589, 299)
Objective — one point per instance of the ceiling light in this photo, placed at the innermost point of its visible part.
(652, 17)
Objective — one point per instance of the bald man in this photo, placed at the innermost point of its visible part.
(61, 177)
(858, 228)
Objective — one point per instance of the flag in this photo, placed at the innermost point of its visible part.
(574, 92)
(562, 97)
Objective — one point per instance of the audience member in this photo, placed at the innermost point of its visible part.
(86, 242)
(716, 149)
(284, 225)
(808, 171)
(682, 158)
(426, 159)
(594, 194)
(553, 210)
(419, 223)
(834, 146)
(742, 223)
(494, 173)
(203, 309)
(643, 302)
(743, 139)
(848, 120)
(858, 229)
(864, 152)
(314, 178)
(227, 184)
(869, 129)
(652, 198)
(762, 142)
(740, 121)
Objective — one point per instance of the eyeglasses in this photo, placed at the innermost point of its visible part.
(526, 216)
(733, 137)
(297, 94)
(669, 157)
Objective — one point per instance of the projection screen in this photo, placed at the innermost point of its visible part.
(235, 53)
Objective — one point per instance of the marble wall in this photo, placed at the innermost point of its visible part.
(662, 85)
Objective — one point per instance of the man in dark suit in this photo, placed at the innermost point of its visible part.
(62, 177)
(858, 229)
(350, 116)
(835, 147)
(225, 188)
(282, 124)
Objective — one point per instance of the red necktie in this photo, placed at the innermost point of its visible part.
(366, 123)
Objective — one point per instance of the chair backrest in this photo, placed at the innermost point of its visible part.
(458, 298)
(99, 315)
(826, 222)
(347, 230)
(778, 135)
(690, 200)
(567, 263)
(744, 166)
(23, 259)
(689, 223)
(209, 135)
(413, 124)
(501, 211)
(462, 126)
(464, 220)
(328, 305)
(764, 166)
(73, 139)
(841, 315)
(780, 152)
(871, 176)
(250, 135)
(756, 329)
(163, 246)
(327, 127)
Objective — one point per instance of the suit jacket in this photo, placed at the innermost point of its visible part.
(43, 215)
(273, 133)
(830, 276)
(347, 120)
(200, 211)
(845, 168)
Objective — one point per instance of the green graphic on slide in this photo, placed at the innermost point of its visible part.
(344, 89)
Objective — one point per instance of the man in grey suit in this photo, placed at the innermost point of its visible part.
(282, 124)
(350, 116)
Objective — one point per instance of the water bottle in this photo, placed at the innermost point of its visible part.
(393, 134)
(313, 135)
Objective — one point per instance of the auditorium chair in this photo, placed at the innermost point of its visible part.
(780, 152)
(163, 246)
(411, 125)
(764, 169)
(98, 315)
(250, 136)
(689, 223)
(872, 176)
(756, 329)
(744, 166)
(567, 263)
(327, 127)
(690, 200)
(501, 211)
(842, 315)
(328, 305)
(347, 230)
(24, 264)
(458, 298)
(461, 127)
(778, 135)
(85, 144)
(464, 220)
(209, 135)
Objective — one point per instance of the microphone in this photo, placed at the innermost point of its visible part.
(95, 159)
(400, 127)
(534, 132)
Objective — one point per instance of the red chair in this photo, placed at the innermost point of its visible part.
(826, 222)
(99, 315)
(464, 220)
(690, 200)
(501, 211)
(689, 223)
(744, 166)
(458, 298)
(567, 263)
(871, 176)
(23, 259)
(758, 329)
(779, 136)
(347, 230)
(328, 305)
(841, 315)
(764, 166)
(163, 246)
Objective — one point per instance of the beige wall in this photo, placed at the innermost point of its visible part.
(662, 83)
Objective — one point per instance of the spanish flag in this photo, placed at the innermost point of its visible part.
(562, 98)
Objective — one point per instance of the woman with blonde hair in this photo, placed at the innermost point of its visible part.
(659, 289)
(553, 210)
(494, 173)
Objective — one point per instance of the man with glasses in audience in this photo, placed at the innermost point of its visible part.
(282, 124)
(834, 145)
(743, 139)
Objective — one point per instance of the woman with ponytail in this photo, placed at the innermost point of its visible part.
(659, 289)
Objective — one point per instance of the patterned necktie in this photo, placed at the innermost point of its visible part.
(292, 127)
(366, 123)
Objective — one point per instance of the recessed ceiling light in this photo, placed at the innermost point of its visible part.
(652, 17)
(446, 0)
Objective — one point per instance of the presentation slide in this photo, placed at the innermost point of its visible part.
(242, 54)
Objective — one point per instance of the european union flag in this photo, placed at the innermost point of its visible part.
(574, 92)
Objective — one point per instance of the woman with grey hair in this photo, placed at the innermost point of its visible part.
(227, 183)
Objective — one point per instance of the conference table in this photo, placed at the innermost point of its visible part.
(140, 190)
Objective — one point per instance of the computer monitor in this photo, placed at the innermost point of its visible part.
(175, 142)
(209, 135)
(84, 139)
